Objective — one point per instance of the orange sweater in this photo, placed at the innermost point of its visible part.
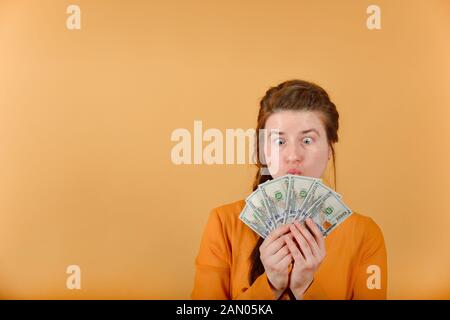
(223, 264)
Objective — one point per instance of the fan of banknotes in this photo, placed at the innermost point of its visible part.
(290, 198)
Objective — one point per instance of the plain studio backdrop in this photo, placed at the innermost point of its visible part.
(86, 118)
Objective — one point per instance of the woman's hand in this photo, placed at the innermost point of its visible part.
(308, 251)
(276, 258)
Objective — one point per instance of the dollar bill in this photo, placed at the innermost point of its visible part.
(249, 217)
(328, 212)
(300, 188)
(317, 190)
(256, 202)
(276, 198)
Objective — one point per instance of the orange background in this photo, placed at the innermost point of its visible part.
(86, 117)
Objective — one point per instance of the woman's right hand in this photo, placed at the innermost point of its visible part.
(276, 258)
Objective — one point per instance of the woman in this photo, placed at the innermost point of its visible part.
(294, 261)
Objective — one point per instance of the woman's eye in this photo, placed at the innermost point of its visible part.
(279, 141)
(307, 140)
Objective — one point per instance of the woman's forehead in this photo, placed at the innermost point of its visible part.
(295, 121)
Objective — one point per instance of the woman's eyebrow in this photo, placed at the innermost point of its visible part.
(310, 130)
(275, 131)
(281, 133)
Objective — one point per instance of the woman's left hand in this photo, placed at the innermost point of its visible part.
(308, 252)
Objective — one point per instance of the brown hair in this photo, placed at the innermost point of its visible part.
(296, 95)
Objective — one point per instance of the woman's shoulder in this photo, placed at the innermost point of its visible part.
(358, 218)
(361, 219)
(361, 226)
(226, 217)
(230, 210)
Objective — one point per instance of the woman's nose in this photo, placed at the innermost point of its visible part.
(294, 153)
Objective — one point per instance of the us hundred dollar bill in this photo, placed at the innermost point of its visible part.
(256, 202)
(328, 212)
(300, 188)
(276, 198)
(249, 217)
(315, 192)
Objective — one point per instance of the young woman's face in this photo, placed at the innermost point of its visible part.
(301, 141)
